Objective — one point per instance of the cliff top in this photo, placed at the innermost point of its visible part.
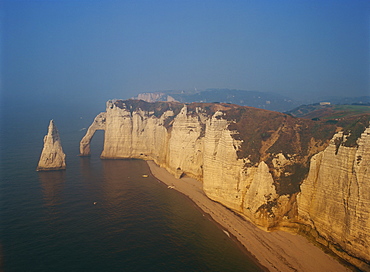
(255, 126)
(159, 107)
(263, 134)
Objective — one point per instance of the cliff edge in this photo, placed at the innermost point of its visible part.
(52, 155)
(275, 170)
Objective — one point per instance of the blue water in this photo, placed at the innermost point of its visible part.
(49, 221)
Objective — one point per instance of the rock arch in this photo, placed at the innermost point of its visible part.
(98, 124)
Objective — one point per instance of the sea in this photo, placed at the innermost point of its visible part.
(97, 215)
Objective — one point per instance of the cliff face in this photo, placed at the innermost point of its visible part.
(253, 161)
(335, 197)
(52, 155)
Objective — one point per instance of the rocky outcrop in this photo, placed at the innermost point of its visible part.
(52, 155)
(255, 162)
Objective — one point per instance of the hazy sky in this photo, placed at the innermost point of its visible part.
(116, 49)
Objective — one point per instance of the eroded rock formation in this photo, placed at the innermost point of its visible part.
(255, 162)
(52, 155)
(98, 124)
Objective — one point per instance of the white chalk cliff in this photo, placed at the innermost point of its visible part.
(335, 198)
(264, 165)
(52, 155)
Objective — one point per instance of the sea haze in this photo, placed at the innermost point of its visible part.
(98, 215)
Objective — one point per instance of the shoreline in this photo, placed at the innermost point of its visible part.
(273, 251)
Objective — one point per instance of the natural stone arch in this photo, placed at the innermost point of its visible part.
(98, 124)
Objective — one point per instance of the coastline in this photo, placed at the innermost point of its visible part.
(274, 251)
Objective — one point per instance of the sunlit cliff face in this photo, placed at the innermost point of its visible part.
(277, 171)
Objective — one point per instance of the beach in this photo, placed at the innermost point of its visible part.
(275, 251)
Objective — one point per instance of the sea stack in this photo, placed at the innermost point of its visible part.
(52, 156)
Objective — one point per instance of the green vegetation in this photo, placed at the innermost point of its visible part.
(329, 112)
(332, 121)
(358, 109)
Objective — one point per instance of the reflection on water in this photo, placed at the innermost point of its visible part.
(120, 178)
(124, 190)
(161, 226)
(85, 168)
(52, 183)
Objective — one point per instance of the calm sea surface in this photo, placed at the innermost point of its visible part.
(49, 222)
